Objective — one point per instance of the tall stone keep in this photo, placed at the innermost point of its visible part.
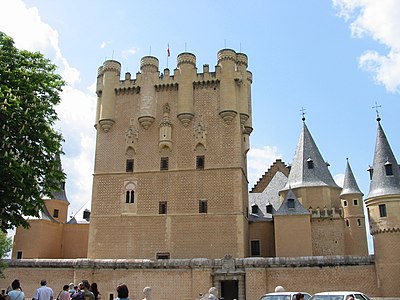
(170, 162)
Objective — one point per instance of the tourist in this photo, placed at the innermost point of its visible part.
(122, 292)
(45, 292)
(147, 293)
(84, 286)
(64, 294)
(95, 291)
(16, 293)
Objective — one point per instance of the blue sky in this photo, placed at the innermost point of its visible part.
(334, 58)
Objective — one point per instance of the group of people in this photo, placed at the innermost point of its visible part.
(83, 291)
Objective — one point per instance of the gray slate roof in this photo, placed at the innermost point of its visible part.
(350, 184)
(298, 208)
(300, 175)
(270, 195)
(382, 184)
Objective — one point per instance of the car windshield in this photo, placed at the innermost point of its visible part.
(339, 297)
(282, 297)
(327, 297)
(276, 297)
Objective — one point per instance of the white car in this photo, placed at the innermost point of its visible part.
(340, 295)
(284, 296)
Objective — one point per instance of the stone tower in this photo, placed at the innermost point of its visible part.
(353, 214)
(170, 162)
(317, 192)
(383, 205)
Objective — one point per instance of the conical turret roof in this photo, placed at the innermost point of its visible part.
(309, 168)
(291, 206)
(350, 185)
(60, 194)
(385, 170)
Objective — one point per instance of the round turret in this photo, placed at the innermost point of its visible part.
(186, 58)
(241, 59)
(111, 66)
(226, 54)
(149, 64)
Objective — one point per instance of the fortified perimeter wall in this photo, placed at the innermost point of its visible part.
(186, 278)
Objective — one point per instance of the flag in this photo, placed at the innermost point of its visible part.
(168, 52)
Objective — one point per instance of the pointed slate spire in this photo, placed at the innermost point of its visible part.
(308, 168)
(60, 194)
(291, 206)
(350, 185)
(385, 170)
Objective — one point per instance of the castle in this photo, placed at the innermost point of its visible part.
(170, 187)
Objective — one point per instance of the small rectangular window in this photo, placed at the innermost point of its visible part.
(344, 203)
(382, 210)
(202, 206)
(254, 209)
(19, 254)
(164, 163)
(355, 202)
(388, 169)
(255, 248)
(165, 255)
(129, 165)
(358, 222)
(55, 213)
(200, 162)
(162, 207)
(290, 203)
(347, 223)
(269, 208)
(111, 296)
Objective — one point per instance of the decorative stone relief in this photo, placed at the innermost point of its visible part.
(165, 129)
(228, 263)
(131, 135)
(200, 134)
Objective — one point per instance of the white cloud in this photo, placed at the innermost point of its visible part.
(379, 20)
(77, 108)
(339, 179)
(129, 52)
(259, 160)
(104, 44)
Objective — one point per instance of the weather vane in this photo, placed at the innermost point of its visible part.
(303, 113)
(378, 118)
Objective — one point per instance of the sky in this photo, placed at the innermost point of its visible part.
(335, 59)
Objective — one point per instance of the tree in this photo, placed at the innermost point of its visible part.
(29, 146)
(5, 247)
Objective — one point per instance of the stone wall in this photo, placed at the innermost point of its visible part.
(186, 278)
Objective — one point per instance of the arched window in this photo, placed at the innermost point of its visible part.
(130, 192)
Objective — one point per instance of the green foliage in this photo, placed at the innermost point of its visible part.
(29, 146)
(5, 247)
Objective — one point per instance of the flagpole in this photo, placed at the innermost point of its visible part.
(168, 54)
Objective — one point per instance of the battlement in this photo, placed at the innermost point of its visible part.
(231, 80)
(326, 212)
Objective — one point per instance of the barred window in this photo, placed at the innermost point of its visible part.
(200, 159)
(129, 165)
(203, 206)
(255, 248)
(162, 207)
(164, 163)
